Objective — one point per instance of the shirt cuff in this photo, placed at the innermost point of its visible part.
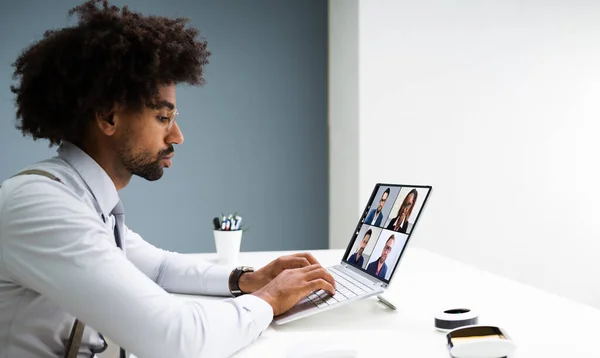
(219, 280)
(261, 311)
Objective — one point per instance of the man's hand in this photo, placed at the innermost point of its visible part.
(252, 281)
(291, 285)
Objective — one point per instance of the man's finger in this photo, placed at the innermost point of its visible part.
(309, 268)
(320, 273)
(329, 278)
(320, 284)
(311, 259)
(294, 262)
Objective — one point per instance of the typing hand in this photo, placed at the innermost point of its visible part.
(291, 285)
(253, 281)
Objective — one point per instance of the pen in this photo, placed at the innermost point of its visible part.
(227, 222)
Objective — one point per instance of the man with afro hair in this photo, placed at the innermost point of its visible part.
(103, 92)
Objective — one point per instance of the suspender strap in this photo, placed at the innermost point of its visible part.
(74, 339)
(38, 172)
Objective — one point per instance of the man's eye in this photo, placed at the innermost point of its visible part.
(163, 119)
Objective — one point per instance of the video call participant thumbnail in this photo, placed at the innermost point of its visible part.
(375, 216)
(400, 222)
(379, 267)
(357, 258)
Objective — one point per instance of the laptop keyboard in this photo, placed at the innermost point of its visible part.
(346, 288)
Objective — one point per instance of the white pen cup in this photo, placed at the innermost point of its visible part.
(228, 244)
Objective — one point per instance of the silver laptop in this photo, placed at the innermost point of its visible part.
(374, 251)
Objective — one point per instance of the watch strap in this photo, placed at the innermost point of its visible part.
(234, 279)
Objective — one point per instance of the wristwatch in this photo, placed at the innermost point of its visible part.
(234, 279)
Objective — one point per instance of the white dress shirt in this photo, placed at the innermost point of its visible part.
(59, 260)
(375, 218)
(402, 223)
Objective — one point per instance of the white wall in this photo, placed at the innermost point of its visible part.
(497, 105)
(343, 121)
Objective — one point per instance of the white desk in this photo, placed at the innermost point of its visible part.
(541, 324)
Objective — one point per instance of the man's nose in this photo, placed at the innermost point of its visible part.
(175, 135)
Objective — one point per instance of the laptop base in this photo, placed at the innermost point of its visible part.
(306, 308)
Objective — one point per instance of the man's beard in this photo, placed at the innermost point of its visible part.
(143, 164)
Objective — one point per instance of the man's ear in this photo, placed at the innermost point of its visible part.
(107, 122)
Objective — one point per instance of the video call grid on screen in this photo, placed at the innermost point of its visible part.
(386, 231)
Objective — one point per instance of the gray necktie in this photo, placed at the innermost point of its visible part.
(119, 213)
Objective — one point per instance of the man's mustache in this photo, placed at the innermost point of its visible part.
(165, 152)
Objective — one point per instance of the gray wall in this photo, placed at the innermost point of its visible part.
(255, 135)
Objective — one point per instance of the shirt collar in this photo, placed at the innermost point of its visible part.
(102, 187)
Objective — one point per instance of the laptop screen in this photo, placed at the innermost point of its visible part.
(385, 227)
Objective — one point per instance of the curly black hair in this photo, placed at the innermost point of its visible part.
(111, 56)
